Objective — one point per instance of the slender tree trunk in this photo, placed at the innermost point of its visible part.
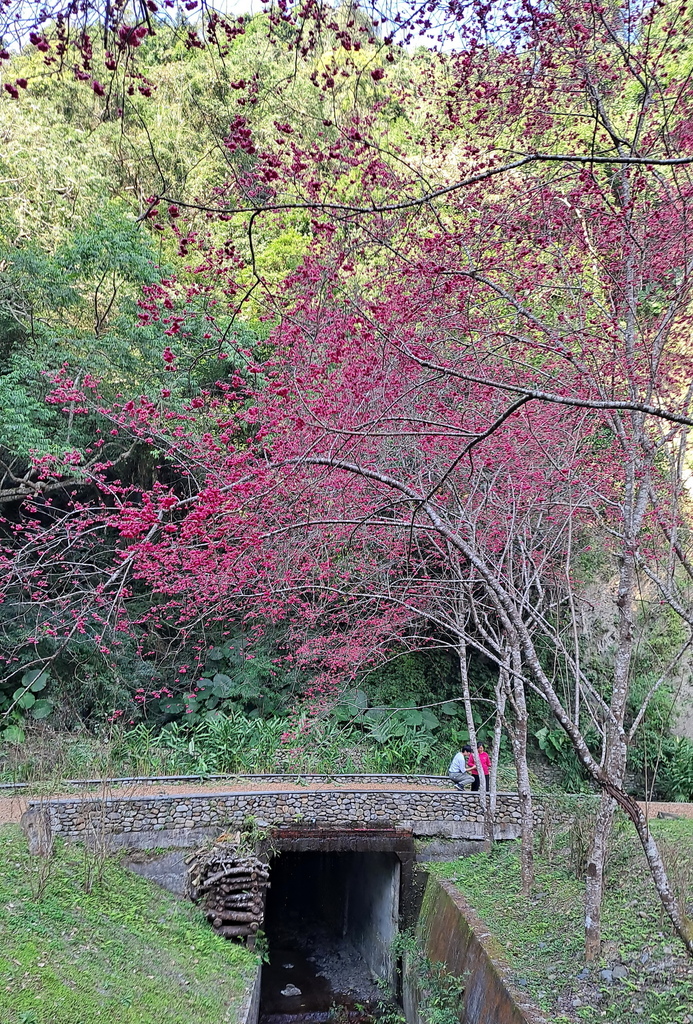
(615, 752)
(471, 728)
(594, 882)
(516, 695)
(501, 690)
(526, 809)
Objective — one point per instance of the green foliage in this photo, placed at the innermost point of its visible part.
(16, 703)
(674, 778)
(439, 993)
(592, 563)
(383, 724)
(409, 735)
(221, 742)
(388, 712)
(109, 243)
(256, 681)
(128, 952)
(409, 677)
(556, 746)
(663, 762)
(403, 739)
(423, 677)
(224, 742)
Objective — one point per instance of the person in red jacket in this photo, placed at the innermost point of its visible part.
(485, 766)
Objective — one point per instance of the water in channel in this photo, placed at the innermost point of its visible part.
(315, 974)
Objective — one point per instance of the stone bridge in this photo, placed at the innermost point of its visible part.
(141, 817)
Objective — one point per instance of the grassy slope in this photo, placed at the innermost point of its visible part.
(543, 938)
(127, 953)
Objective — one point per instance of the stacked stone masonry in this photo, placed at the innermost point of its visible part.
(178, 819)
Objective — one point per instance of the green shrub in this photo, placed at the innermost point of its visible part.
(674, 778)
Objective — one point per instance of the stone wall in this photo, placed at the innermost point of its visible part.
(141, 822)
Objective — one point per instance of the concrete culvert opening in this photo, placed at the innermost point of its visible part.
(331, 915)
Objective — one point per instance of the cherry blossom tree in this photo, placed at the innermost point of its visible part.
(481, 359)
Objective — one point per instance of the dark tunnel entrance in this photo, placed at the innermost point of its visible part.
(333, 908)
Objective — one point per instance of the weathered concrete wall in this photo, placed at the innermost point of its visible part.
(250, 1009)
(372, 917)
(451, 933)
(144, 822)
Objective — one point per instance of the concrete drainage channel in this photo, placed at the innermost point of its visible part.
(336, 900)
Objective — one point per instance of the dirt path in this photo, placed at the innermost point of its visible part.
(680, 810)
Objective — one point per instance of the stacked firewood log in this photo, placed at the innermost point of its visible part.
(230, 884)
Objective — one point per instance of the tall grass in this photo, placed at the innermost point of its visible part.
(229, 743)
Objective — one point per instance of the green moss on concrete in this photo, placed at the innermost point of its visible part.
(126, 953)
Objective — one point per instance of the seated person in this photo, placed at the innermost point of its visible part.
(458, 770)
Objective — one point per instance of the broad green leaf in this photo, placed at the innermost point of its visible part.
(355, 700)
(35, 679)
(380, 734)
(540, 736)
(342, 714)
(223, 685)
(42, 709)
(377, 714)
(430, 721)
(412, 717)
(450, 707)
(13, 734)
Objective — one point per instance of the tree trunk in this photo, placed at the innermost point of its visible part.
(615, 751)
(680, 920)
(471, 728)
(594, 882)
(516, 695)
(518, 740)
(501, 690)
